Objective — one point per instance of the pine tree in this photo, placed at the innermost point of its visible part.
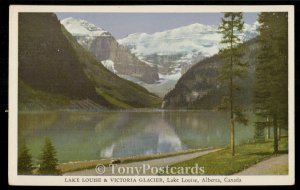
(24, 161)
(232, 68)
(48, 159)
(259, 133)
(271, 91)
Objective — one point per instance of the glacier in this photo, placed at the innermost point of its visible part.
(83, 31)
(172, 51)
(175, 51)
(110, 65)
(186, 40)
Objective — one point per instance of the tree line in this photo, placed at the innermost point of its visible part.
(270, 101)
(48, 161)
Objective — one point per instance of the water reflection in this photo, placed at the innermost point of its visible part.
(155, 137)
(86, 136)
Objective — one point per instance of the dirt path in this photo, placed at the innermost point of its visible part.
(153, 163)
(277, 165)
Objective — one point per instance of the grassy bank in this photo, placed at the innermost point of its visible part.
(222, 163)
(81, 165)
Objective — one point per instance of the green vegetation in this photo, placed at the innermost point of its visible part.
(202, 77)
(280, 169)
(232, 68)
(81, 165)
(30, 99)
(49, 161)
(119, 93)
(112, 100)
(24, 160)
(223, 163)
(54, 69)
(259, 133)
(271, 93)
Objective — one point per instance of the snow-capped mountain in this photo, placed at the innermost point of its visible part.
(84, 31)
(175, 51)
(184, 45)
(112, 55)
(155, 61)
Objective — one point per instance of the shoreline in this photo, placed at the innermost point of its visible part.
(146, 110)
(88, 164)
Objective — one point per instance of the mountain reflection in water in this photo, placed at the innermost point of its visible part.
(88, 136)
(156, 137)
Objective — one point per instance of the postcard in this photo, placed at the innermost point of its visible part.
(151, 95)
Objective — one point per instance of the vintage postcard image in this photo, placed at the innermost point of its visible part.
(151, 95)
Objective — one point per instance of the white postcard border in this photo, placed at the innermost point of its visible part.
(15, 179)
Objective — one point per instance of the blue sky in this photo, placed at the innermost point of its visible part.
(122, 24)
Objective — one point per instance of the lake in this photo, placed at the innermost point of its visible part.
(89, 136)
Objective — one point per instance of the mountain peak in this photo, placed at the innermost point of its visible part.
(187, 39)
(80, 27)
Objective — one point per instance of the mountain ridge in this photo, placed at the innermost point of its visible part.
(106, 49)
(136, 41)
(51, 61)
(199, 88)
(174, 51)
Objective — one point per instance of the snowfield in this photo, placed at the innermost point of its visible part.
(189, 44)
(186, 40)
(83, 31)
(110, 65)
(79, 27)
(173, 51)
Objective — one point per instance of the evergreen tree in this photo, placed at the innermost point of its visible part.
(271, 84)
(24, 161)
(232, 68)
(48, 159)
(259, 133)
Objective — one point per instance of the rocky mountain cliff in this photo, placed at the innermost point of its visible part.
(104, 46)
(199, 88)
(55, 69)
